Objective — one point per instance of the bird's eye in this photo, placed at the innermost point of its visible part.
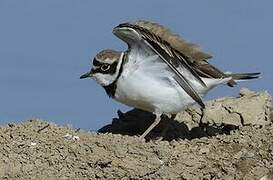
(105, 67)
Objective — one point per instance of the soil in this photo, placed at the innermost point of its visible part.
(204, 148)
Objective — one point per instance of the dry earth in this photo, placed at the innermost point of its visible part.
(231, 139)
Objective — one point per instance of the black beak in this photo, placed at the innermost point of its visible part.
(86, 75)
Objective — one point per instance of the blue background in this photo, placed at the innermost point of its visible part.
(46, 45)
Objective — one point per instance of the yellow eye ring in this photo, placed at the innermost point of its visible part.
(105, 67)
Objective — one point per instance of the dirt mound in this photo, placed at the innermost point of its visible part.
(37, 149)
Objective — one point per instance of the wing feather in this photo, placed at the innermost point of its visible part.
(178, 43)
(170, 56)
(179, 78)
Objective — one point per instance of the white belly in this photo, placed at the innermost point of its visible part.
(151, 94)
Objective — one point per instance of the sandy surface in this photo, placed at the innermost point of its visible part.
(204, 146)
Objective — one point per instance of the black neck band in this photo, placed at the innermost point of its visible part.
(111, 88)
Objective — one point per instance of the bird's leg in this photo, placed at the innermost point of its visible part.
(151, 127)
(166, 128)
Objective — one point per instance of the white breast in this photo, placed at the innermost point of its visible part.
(145, 83)
(151, 94)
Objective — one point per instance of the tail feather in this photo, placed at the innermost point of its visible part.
(241, 76)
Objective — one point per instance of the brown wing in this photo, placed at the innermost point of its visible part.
(175, 51)
(206, 70)
(195, 58)
(174, 40)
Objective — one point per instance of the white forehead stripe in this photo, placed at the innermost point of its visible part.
(108, 60)
(95, 67)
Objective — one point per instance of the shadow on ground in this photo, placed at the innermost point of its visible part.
(136, 121)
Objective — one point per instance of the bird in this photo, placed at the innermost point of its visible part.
(160, 72)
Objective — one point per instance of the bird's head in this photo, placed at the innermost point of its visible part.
(106, 65)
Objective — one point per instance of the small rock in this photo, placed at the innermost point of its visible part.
(204, 150)
(33, 143)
